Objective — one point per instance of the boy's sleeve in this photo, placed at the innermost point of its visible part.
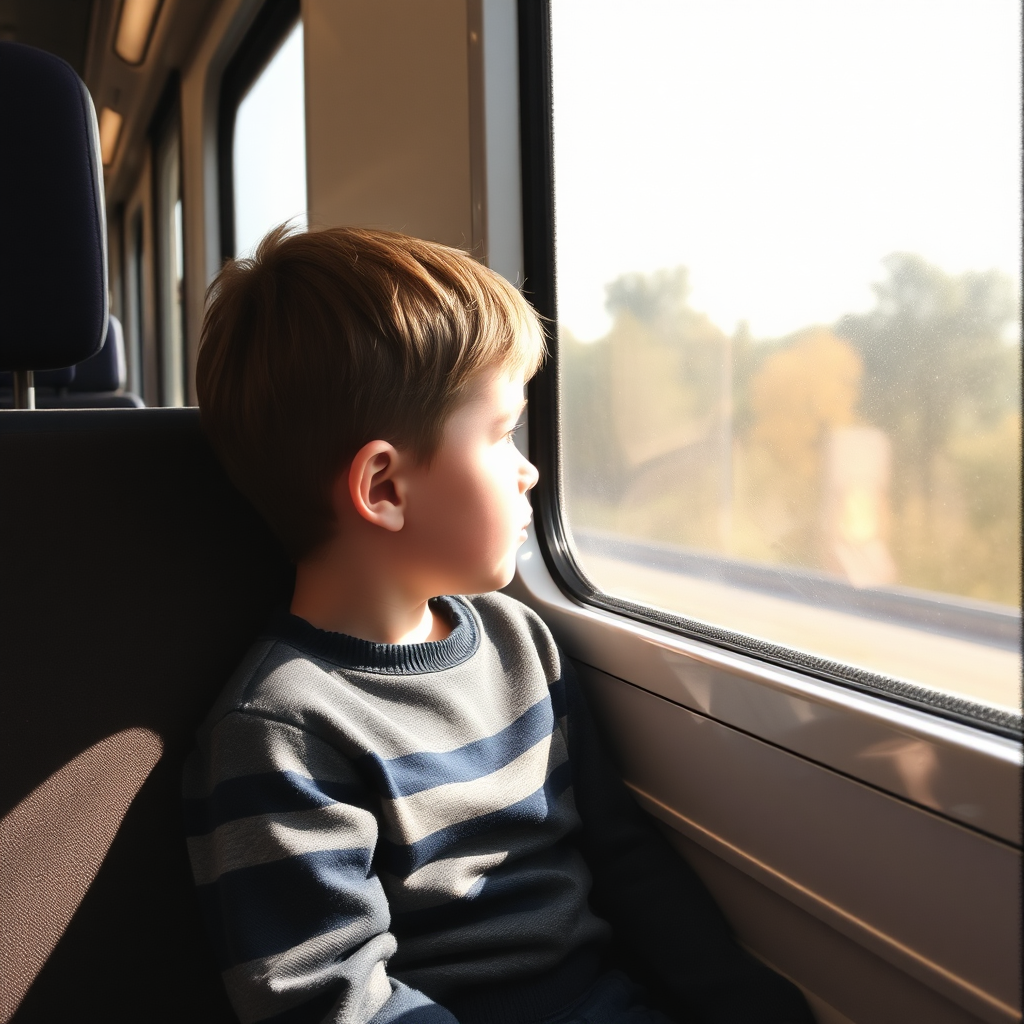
(657, 906)
(281, 835)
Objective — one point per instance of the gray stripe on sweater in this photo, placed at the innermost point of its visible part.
(272, 837)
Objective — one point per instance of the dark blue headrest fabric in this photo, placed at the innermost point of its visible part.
(43, 379)
(53, 237)
(105, 371)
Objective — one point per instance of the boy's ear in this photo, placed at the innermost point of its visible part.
(373, 487)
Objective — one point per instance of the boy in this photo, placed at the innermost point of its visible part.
(399, 806)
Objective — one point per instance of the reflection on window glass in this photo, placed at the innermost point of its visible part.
(177, 283)
(788, 263)
(137, 318)
(171, 270)
(269, 154)
(179, 248)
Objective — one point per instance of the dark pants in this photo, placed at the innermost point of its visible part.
(612, 999)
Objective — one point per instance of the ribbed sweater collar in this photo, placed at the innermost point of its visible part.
(388, 659)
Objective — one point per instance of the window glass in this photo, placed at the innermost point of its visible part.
(136, 318)
(269, 156)
(170, 263)
(788, 265)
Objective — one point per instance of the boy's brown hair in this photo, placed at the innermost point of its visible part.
(326, 340)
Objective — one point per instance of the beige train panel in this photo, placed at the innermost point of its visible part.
(388, 116)
(935, 899)
(843, 981)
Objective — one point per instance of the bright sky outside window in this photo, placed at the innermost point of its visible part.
(783, 149)
(270, 148)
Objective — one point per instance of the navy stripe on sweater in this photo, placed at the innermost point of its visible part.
(490, 899)
(266, 793)
(422, 770)
(403, 859)
(558, 701)
(271, 907)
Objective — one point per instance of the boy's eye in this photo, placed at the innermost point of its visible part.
(510, 436)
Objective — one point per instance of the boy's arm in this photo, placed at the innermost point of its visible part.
(656, 904)
(281, 836)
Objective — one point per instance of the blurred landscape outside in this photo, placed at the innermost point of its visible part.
(878, 448)
(884, 447)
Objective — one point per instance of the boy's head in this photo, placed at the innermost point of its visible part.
(327, 340)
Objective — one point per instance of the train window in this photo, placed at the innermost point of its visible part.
(135, 298)
(787, 277)
(268, 144)
(170, 263)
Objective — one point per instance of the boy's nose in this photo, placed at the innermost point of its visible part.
(528, 476)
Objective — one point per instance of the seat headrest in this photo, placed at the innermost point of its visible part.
(105, 371)
(53, 236)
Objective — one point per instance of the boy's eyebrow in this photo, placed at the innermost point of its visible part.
(517, 413)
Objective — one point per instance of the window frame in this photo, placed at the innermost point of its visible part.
(276, 18)
(544, 430)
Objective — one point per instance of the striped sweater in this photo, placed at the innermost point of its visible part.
(398, 831)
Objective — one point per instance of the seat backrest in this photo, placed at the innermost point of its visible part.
(134, 577)
(99, 381)
(106, 370)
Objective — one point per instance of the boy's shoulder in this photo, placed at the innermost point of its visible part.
(281, 677)
(512, 628)
(270, 667)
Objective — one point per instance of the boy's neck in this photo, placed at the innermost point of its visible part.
(334, 592)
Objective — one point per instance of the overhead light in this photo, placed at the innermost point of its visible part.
(135, 28)
(110, 132)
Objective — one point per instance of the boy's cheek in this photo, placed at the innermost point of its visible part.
(472, 523)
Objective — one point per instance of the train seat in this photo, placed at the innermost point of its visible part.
(53, 244)
(47, 382)
(133, 579)
(99, 382)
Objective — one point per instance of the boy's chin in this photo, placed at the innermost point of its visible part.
(506, 577)
(499, 578)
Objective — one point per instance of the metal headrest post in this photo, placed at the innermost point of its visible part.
(24, 389)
